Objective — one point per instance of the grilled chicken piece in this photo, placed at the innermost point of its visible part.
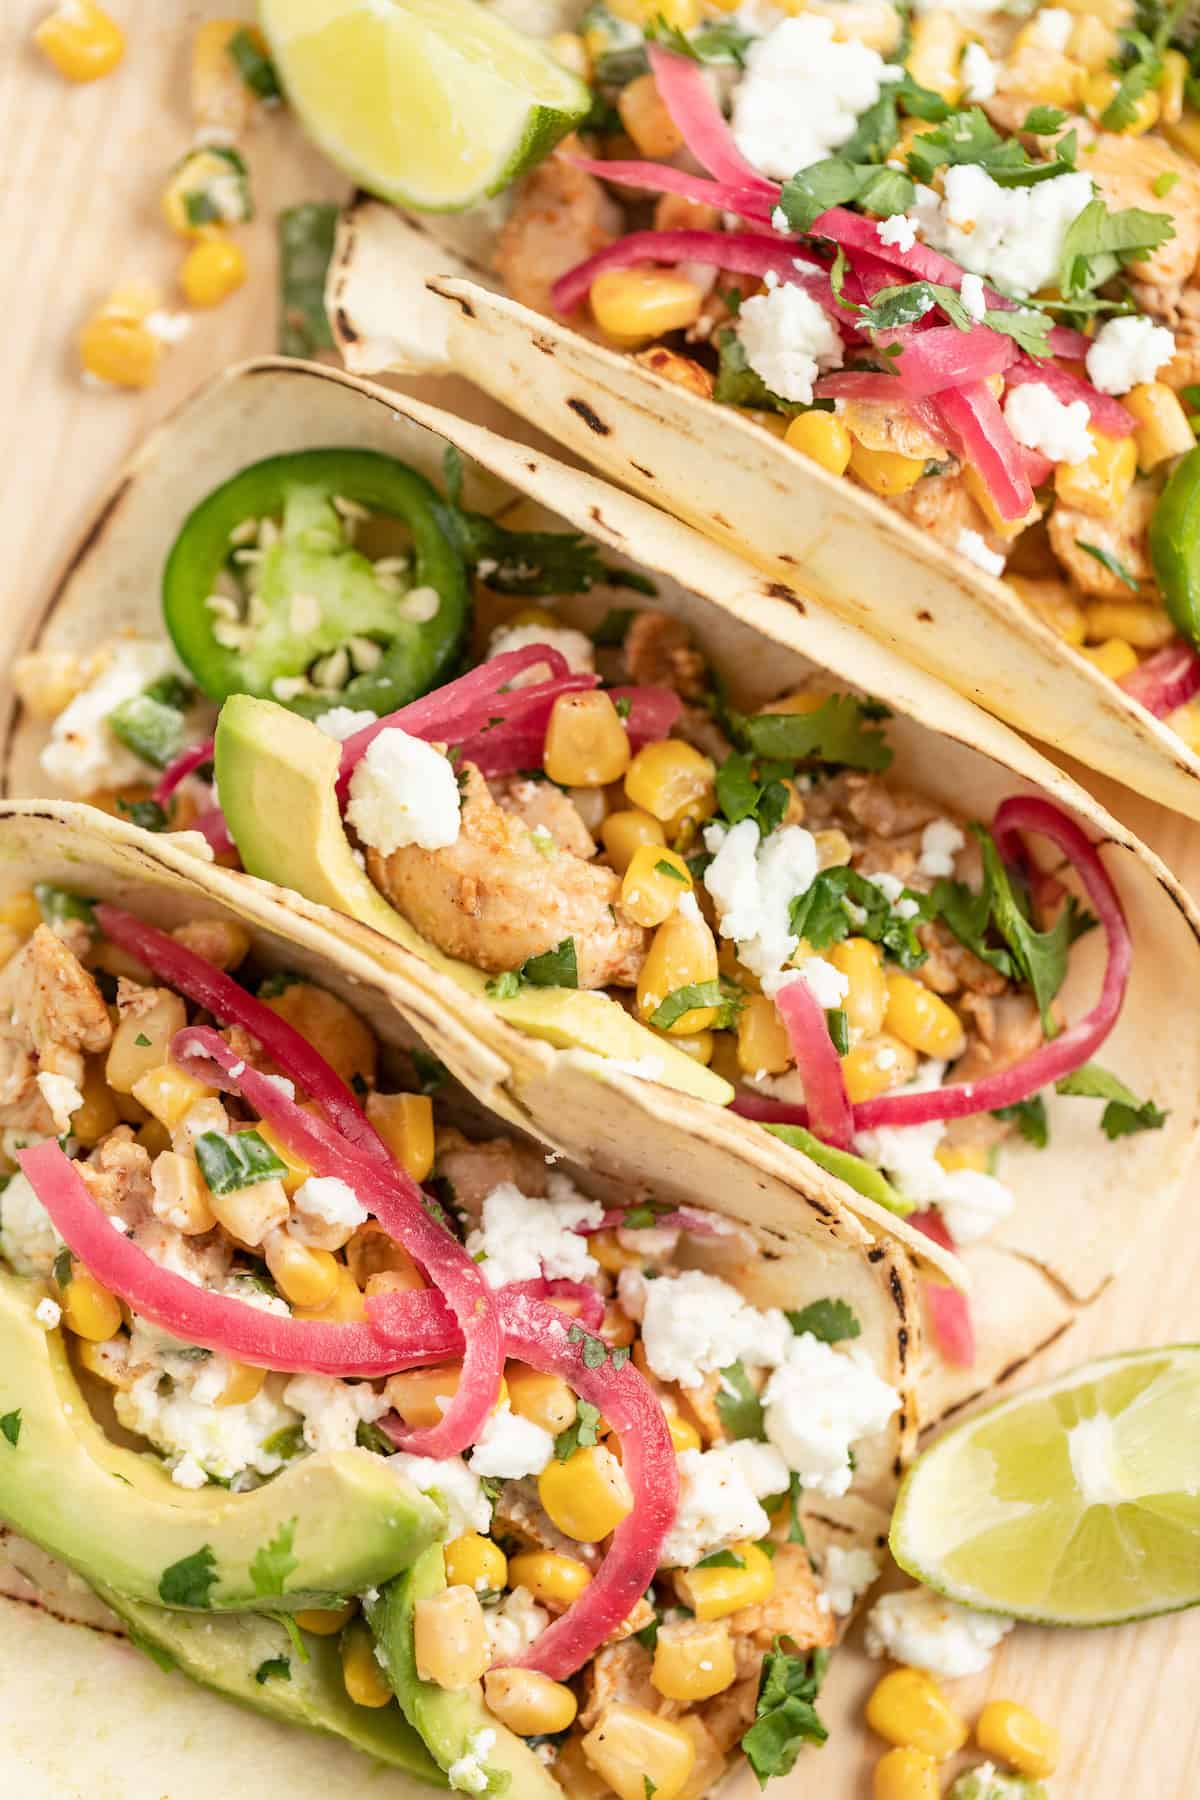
(1124, 534)
(560, 216)
(949, 966)
(474, 1169)
(541, 804)
(1126, 170)
(659, 653)
(793, 1609)
(1007, 1029)
(943, 506)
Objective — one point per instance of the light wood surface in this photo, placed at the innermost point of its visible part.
(82, 169)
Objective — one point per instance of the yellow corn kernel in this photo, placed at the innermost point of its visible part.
(908, 1708)
(416, 1394)
(347, 1304)
(323, 1019)
(252, 1213)
(962, 1156)
(450, 1641)
(119, 351)
(886, 472)
(586, 744)
(207, 189)
(693, 1660)
(624, 831)
(905, 1774)
(653, 884)
(1113, 12)
(222, 942)
(142, 1040)
(326, 1621)
(1099, 486)
(167, 1094)
(88, 1309)
(296, 1170)
(21, 912)
(180, 1194)
(529, 1703)
(667, 776)
(921, 1019)
(639, 1753)
(154, 1139)
(569, 49)
(1018, 1737)
(822, 437)
(1145, 627)
(365, 1681)
(1162, 429)
(1008, 529)
(647, 120)
(762, 1040)
(586, 1496)
(1038, 72)
(1185, 720)
(1052, 602)
(938, 40)
(211, 271)
(699, 1046)
(1114, 659)
(635, 306)
(861, 962)
(244, 1383)
(303, 1276)
(475, 1562)
(683, 953)
(1171, 87)
(715, 1593)
(371, 1253)
(99, 1360)
(876, 1066)
(220, 98)
(98, 1115)
(553, 1579)
(405, 1123)
(684, 1435)
(543, 1399)
(612, 1255)
(80, 40)
(1092, 43)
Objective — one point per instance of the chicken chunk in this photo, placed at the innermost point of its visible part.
(944, 507)
(545, 808)
(728, 1716)
(1007, 1029)
(620, 1672)
(792, 1610)
(880, 425)
(494, 900)
(885, 809)
(1126, 172)
(659, 653)
(474, 1169)
(1124, 535)
(52, 1006)
(560, 216)
(117, 1175)
(949, 966)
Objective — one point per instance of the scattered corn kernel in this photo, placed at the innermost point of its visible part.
(1100, 486)
(693, 1660)
(624, 831)
(450, 1641)
(638, 1752)
(715, 1593)
(1171, 88)
(763, 1045)
(586, 744)
(586, 1496)
(303, 1276)
(963, 1156)
(921, 1019)
(221, 98)
(1162, 430)
(935, 53)
(1018, 1737)
(647, 120)
(371, 1253)
(419, 1394)
(326, 1621)
(244, 1382)
(1093, 44)
(529, 1703)
(861, 962)
(119, 351)
(321, 1018)
(98, 1114)
(885, 472)
(667, 776)
(684, 1435)
(167, 1094)
(1145, 627)
(543, 1399)
(211, 271)
(475, 1562)
(1114, 659)
(142, 1039)
(208, 188)
(634, 306)
(682, 954)
(80, 40)
(553, 1579)
(347, 1304)
(908, 1708)
(905, 1774)
(88, 1309)
(366, 1683)
(405, 1123)
(653, 883)
(876, 1066)
(822, 437)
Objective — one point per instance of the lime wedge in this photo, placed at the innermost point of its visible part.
(1074, 1503)
(431, 104)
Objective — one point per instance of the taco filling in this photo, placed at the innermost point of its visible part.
(568, 1455)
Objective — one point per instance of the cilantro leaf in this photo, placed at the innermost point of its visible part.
(1125, 1114)
(64, 1268)
(255, 68)
(792, 1496)
(839, 1029)
(1029, 1117)
(610, 632)
(10, 1427)
(1141, 71)
(188, 1582)
(830, 1320)
(306, 236)
(738, 1406)
(721, 1559)
(663, 867)
(1098, 243)
(274, 1562)
(1041, 120)
(240, 1160)
(749, 788)
(836, 181)
(580, 1435)
(1112, 563)
(907, 303)
(785, 1717)
(532, 562)
(842, 901)
(554, 968)
(277, 1666)
(837, 732)
(595, 1351)
(737, 384)
(696, 994)
(718, 41)
(970, 137)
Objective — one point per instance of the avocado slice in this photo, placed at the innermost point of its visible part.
(249, 1658)
(277, 777)
(336, 1523)
(449, 1722)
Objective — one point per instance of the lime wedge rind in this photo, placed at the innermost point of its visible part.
(1099, 1529)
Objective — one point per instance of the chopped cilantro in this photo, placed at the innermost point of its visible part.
(64, 1268)
(1029, 1117)
(142, 1041)
(1098, 243)
(737, 384)
(293, 1630)
(610, 632)
(649, 1788)
(907, 303)
(785, 1717)
(697, 994)
(277, 1666)
(188, 1582)
(830, 1320)
(1041, 120)
(10, 1427)
(1124, 1114)
(147, 815)
(1140, 69)
(721, 1559)
(253, 64)
(554, 968)
(277, 983)
(274, 1562)
(582, 1433)
(792, 1496)
(663, 867)
(623, 706)
(1112, 563)
(836, 181)
(970, 137)
(839, 1029)
(842, 902)
(717, 41)
(1162, 184)
(738, 1405)
(532, 562)
(504, 986)
(750, 788)
(837, 732)
(238, 1161)
(595, 1351)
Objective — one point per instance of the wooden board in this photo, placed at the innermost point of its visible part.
(83, 168)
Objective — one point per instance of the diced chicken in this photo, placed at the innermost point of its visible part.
(134, 1001)
(696, 726)
(701, 1403)
(949, 966)
(659, 653)
(793, 1609)
(1126, 171)
(620, 1672)
(545, 808)
(494, 900)
(560, 216)
(1184, 368)
(474, 1169)
(638, 1620)
(944, 507)
(52, 1006)
(684, 371)
(880, 425)
(885, 809)
(219, 941)
(1124, 535)
(728, 1716)
(1007, 1029)
(117, 1174)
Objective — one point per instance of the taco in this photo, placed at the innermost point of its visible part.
(321, 1392)
(955, 884)
(752, 289)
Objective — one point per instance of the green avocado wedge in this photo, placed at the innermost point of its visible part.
(325, 1527)
(277, 777)
(1175, 546)
(862, 1176)
(450, 1722)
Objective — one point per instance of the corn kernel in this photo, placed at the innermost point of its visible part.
(346, 1306)
(634, 306)
(98, 1115)
(908, 1708)
(1162, 430)
(1018, 1737)
(876, 1066)
(1092, 43)
(1100, 486)
(167, 1094)
(371, 1252)
(1008, 529)
(934, 56)
(1113, 12)
(1114, 659)
(905, 1774)
(638, 1752)
(296, 1170)
(180, 1196)
(683, 953)
(304, 1277)
(553, 1579)
(46, 681)
(624, 831)
(416, 1394)
(99, 1360)
(528, 1702)
(715, 1593)
(586, 1496)
(543, 1399)
(244, 1383)
(1038, 72)
(405, 1123)
(684, 1435)
(885, 472)
(586, 744)
(365, 1681)
(211, 271)
(22, 912)
(667, 776)
(763, 1045)
(119, 351)
(208, 189)
(1099, 90)
(693, 1660)
(647, 119)
(450, 1641)
(323, 1019)
(822, 437)
(962, 1156)
(1145, 627)
(1053, 604)
(326, 1621)
(154, 1139)
(475, 1562)
(653, 884)
(921, 1019)
(88, 1309)
(861, 962)
(80, 40)
(142, 1040)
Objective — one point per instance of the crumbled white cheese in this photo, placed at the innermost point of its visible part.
(62, 1098)
(182, 1418)
(333, 1410)
(83, 753)
(28, 1239)
(1012, 235)
(403, 792)
(341, 722)
(521, 1237)
(693, 1323)
(511, 1447)
(978, 73)
(898, 231)
(187, 1473)
(575, 646)
(753, 885)
(467, 1774)
(801, 95)
(1127, 351)
(47, 1313)
(325, 1212)
(922, 1629)
(1051, 28)
(717, 1506)
(760, 1466)
(1058, 429)
(845, 1574)
(788, 340)
(972, 295)
(827, 985)
(971, 1202)
(971, 545)
(818, 1404)
(512, 1626)
(449, 1480)
(941, 841)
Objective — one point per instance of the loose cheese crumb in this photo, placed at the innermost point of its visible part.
(404, 792)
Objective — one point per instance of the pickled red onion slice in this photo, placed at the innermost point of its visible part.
(949, 1310)
(1165, 680)
(815, 1057)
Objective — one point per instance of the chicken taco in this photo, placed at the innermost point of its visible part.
(773, 889)
(897, 302)
(317, 1390)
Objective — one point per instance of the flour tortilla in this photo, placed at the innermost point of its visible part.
(1079, 1202)
(408, 294)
